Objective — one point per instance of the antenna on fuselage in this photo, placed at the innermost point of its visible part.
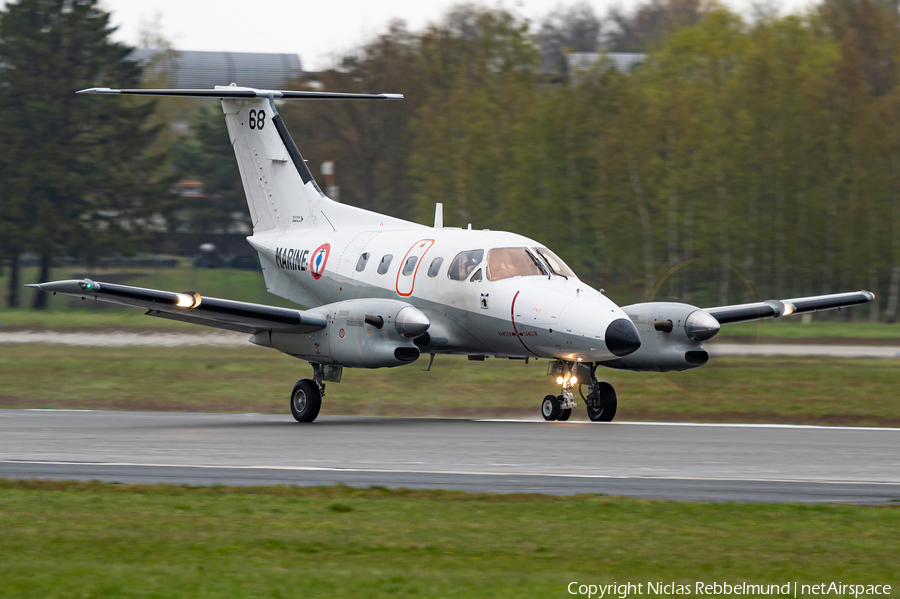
(438, 216)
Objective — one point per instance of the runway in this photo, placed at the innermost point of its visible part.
(659, 461)
(228, 339)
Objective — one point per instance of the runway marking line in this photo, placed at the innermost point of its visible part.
(498, 420)
(457, 472)
(705, 424)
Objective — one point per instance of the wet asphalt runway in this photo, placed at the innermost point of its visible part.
(659, 461)
(228, 339)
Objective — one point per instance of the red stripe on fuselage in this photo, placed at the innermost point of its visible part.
(512, 317)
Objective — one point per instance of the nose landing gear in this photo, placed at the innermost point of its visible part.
(552, 408)
(560, 407)
(600, 400)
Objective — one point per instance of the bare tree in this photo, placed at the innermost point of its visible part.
(573, 29)
(643, 30)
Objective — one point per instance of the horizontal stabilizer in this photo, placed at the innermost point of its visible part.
(787, 307)
(231, 91)
(193, 307)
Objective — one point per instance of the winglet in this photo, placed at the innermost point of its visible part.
(98, 90)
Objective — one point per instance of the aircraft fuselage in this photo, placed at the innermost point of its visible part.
(536, 316)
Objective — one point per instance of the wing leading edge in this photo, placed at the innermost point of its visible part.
(786, 307)
(194, 308)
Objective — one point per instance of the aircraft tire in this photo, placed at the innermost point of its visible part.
(550, 409)
(564, 414)
(604, 410)
(306, 401)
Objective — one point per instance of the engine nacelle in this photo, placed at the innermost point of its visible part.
(672, 336)
(364, 333)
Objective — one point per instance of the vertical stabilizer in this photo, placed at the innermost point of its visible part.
(280, 189)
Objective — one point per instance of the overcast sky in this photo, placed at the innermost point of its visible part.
(316, 30)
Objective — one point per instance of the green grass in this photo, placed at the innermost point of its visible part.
(242, 285)
(793, 328)
(253, 379)
(99, 540)
(67, 313)
(98, 320)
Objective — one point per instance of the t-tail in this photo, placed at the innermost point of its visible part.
(281, 191)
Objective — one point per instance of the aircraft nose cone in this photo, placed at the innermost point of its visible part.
(622, 337)
(411, 322)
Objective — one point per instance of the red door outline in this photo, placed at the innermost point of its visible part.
(412, 283)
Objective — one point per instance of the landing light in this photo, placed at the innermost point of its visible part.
(188, 300)
(788, 309)
(573, 380)
(559, 380)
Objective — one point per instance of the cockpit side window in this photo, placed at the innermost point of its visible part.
(552, 261)
(476, 277)
(464, 263)
(505, 263)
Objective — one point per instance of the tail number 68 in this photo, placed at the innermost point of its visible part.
(257, 119)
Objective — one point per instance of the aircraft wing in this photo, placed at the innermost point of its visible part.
(192, 307)
(786, 307)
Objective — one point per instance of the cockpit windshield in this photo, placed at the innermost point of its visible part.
(505, 263)
(552, 261)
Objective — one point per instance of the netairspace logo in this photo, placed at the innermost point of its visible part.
(716, 589)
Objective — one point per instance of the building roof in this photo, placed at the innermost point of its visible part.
(581, 64)
(204, 70)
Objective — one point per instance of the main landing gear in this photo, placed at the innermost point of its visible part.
(601, 398)
(306, 398)
(601, 401)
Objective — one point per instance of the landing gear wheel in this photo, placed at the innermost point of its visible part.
(564, 414)
(306, 401)
(550, 409)
(603, 407)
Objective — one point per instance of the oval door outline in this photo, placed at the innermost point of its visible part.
(345, 270)
(422, 243)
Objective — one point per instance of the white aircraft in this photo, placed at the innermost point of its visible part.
(381, 291)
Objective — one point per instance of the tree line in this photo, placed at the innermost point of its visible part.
(740, 159)
(76, 176)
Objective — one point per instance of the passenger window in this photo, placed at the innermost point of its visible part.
(464, 263)
(361, 263)
(385, 264)
(410, 265)
(435, 267)
(476, 277)
(505, 263)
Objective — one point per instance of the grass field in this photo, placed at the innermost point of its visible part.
(109, 317)
(253, 379)
(68, 313)
(99, 540)
(242, 285)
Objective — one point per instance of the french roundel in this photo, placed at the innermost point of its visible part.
(319, 259)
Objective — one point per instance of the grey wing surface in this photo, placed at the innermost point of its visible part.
(787, 307)
(194, 308)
